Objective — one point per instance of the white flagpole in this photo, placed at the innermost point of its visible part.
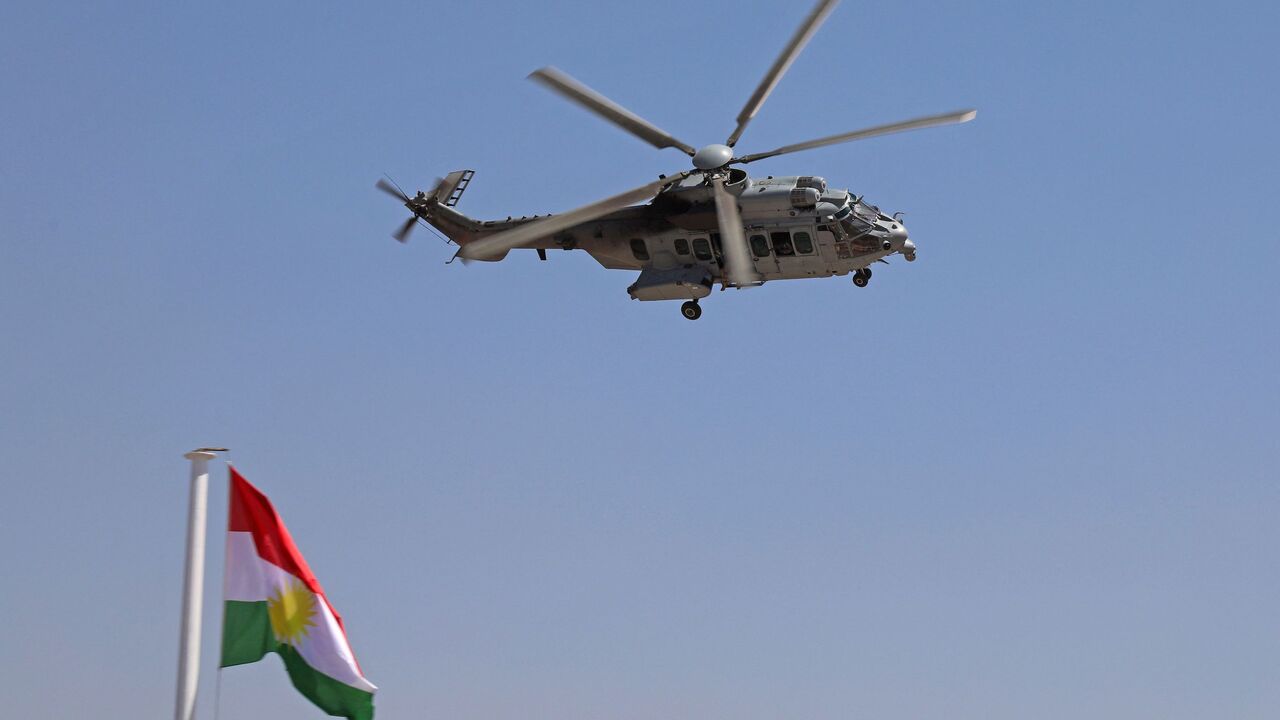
(193, 585)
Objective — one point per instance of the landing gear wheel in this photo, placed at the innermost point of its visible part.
(861, 278)
(691, 310)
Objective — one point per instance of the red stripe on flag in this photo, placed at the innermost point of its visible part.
(252, 512)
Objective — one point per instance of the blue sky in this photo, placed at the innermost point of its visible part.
(1031, 474)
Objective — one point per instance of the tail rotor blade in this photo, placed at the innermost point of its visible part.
(435, 188)
(402, 234)
(387, 187)
(737, 257)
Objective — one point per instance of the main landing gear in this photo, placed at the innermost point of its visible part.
(862, 277)
(691, 310)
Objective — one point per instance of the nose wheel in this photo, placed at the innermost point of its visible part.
(862, 277)
(691, 310)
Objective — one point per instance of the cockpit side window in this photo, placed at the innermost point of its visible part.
(803, 243)
(682, 246)
(782, 243)
(638, 249)
(759, 246)
(701, 249)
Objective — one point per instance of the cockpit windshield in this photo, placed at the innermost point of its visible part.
(857, 218)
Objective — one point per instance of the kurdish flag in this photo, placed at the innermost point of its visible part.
(274, 604)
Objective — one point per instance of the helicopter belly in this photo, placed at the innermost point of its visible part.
(680, 283)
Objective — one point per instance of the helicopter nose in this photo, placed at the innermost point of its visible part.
(909, 250)
(897, 238)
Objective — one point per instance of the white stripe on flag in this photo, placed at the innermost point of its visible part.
(249, 578)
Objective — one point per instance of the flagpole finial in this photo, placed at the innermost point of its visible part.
(204, 453)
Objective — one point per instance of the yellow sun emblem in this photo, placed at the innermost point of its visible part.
(292, 609)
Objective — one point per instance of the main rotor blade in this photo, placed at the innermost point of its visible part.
(501, 242)
(570, 88)
(737, 258)
(391, 190)
(403, 233)
(788, 56)
(924, 122)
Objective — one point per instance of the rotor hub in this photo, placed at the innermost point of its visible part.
(713, 156)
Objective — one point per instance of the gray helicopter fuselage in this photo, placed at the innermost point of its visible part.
(795, 226)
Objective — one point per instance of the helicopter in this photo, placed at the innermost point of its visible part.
(698, 227)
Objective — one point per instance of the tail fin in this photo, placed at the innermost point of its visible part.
(450, 189)
(438, 208)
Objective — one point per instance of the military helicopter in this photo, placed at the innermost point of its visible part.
(706, 225)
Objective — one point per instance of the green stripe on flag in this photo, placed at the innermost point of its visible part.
(247, 637)
(246, 632)
(333, 697)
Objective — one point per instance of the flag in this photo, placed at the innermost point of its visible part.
(273, 603)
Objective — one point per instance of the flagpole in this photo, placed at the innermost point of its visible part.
(193, 585)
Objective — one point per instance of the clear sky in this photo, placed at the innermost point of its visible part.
(1032, 474)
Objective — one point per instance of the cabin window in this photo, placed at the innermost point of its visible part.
(782, 243)
(638, 249)
(759, 246)
(701, 249)
(682, 246)
(803, 243)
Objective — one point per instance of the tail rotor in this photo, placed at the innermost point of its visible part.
(417, 204)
